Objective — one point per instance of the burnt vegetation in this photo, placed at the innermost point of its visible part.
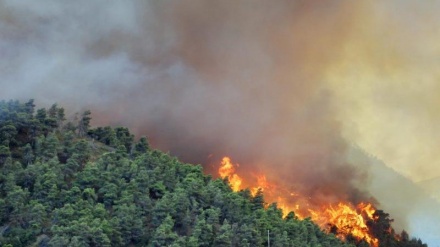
(63, 183)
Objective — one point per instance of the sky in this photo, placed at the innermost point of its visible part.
(388, 85)
(284, 88)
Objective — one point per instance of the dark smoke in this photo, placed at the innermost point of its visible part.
(202, 79)
(197, 77)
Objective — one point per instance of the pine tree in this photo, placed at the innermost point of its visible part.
(224, 235)
(164, 235)
(84, 123)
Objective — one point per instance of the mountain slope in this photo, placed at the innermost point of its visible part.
(431, 187)
(65, 184)
(410, 206)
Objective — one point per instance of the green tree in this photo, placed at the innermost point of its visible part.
(7, 133)
(224, 236)
(142, 146)
(50, 147)
(28, 155)
(203, 232)
(30, 107)
(128, 221)
(84, 123)
(258, 200)
(4, 154)
(164, 234)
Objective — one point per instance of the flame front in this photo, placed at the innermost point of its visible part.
(227, 170)
(342, 219)
(346, 219)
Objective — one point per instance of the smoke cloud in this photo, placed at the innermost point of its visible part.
(277, 86)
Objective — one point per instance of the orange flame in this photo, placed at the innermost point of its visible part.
(342, 219)
(347, 220)
(227, 170)
(261, 184)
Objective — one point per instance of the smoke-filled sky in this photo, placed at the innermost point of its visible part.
(282, 87)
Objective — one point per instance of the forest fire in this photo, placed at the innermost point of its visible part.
(342, 219)
(227, 170)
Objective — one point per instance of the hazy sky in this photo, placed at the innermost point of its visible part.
(377, 60)
(238, 68)
(388, 85)
(283, 87)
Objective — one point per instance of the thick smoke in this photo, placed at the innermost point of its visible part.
(255, 80)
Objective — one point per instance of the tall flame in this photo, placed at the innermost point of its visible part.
(346, 219)
(342, 218)
(227, 170)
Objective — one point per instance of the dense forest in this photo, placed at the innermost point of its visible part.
(63, 183)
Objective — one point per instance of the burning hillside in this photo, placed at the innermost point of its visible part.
(345, 219)
(267, 83)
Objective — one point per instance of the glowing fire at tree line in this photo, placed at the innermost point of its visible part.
(345, 217)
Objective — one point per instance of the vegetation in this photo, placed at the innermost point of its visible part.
(65, 184)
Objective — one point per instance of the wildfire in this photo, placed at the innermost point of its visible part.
(227, 170)
(367, 208)
(342, 219)
(261, 184)
(347, 220)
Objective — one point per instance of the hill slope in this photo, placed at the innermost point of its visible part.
(410, 206)
(64, 184)
(432, 187)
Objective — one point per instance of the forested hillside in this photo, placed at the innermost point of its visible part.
(65, 184)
